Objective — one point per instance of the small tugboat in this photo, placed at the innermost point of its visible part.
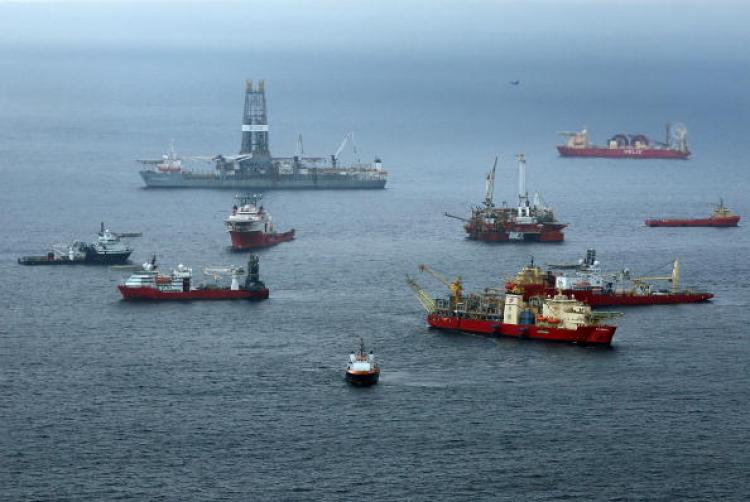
(530, 221)
(628, 146)
(107, 250)
(492, 312)
(150, 285)
(587, 283)
(362, 368)
(721, 217)
(250, 226)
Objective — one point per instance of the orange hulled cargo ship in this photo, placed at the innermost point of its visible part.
(721, 217)
(250, 226)
(530, 221)
(585, 282)
(628, 146)
(495, 312)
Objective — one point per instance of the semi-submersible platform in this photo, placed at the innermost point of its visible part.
(254, 168)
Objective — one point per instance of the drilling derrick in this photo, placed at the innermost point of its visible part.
(255, 126)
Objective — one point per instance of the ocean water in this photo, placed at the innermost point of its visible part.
(101, 399)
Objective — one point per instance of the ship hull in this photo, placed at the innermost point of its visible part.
(45, 260)
(152, 294)
(243, 241)
(516, 233)
(622, 299)
(89, 259)
(107, 258)
(597, 298)
(730, 221)
(363, 379)
(154, 179)
(623, 153)
(584, 335)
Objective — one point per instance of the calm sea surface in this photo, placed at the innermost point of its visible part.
(101, 399)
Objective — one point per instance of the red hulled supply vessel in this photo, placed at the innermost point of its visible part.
(530, 221)
(494, 312)
(586, 283)
(250, 226)
(362, 368)
(721, 217)
(150, 285)
(630, 146)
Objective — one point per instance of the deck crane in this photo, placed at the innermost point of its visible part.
(455, 287)
(489, 186)
(674, 278)
(217, 273)
(424, 298)
(349, 138)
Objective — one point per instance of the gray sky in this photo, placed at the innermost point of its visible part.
(633, 28)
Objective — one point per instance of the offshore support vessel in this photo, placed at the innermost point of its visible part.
(362, 368)
(150, 285)
(721, 217)
(255, 169)
(586, 283)
(107, 250)
(495, 312)
(531, 221)
(250, 226)
(628, 146)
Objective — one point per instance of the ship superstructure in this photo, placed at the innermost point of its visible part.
(633, 146)
(529, 221)
(495, 312)
(256, 169)
(587, 283)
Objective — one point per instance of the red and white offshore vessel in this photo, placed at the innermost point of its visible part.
(494, 312)
(150, 285)
(530, 221)
(251, 227)
(721, 217)
(362, 369)
(586, 282)
(631, 146)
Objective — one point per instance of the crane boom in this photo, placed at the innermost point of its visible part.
(349, 137)
(424, 298)
(674, 278)
(437, 275)
(456, 217)
(455, 287)
(489, 188)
